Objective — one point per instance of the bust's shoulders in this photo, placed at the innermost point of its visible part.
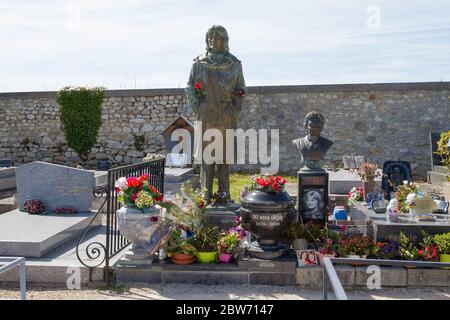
(326, 142)
(298, 141)
(233, 58)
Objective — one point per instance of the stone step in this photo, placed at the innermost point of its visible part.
(8, 204)
(267, 273)
(437, 178)
(440, 169)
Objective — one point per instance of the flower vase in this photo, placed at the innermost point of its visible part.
(138, 227)
(368, 187)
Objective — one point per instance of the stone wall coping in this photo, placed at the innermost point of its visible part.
(359, 87)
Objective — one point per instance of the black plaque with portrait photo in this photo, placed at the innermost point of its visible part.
(313, 196)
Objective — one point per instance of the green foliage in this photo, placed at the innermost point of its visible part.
(176, 244)
(206, 237)
(407, 250)
(139, 142)
(443, 150)
(313, 233)
(81, 110)
(443, 242)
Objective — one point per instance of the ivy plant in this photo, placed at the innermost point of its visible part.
(81, 111)
(444, 151)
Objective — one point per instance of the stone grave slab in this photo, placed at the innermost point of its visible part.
(22, 234)
(55, 185)
(375, 225)
(342, 181)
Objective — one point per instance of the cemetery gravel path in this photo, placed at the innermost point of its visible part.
(138, 291)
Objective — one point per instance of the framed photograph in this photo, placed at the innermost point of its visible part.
(307, 258)
(313, 203)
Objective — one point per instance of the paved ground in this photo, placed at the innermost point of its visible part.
(139, 291)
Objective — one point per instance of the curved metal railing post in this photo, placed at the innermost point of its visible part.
(93, 250)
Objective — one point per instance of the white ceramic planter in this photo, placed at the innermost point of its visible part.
(138, 228)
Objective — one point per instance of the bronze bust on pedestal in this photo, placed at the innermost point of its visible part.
(313, 146)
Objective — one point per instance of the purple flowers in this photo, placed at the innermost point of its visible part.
(239, 230)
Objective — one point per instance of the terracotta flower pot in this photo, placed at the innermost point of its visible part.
(183, 258)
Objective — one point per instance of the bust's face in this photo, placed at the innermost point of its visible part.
(216, 43)
(314, 128)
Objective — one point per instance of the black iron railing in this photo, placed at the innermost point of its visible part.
(96, 252)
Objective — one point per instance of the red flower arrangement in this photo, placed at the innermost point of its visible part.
(268, 183)
(34, 206)
(66, 210)
(137, 192)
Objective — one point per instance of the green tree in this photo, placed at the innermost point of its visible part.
(81, 111)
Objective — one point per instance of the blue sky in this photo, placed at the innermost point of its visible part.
(150, 44)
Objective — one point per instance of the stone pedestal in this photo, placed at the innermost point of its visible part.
(222, 216)
(280, 271)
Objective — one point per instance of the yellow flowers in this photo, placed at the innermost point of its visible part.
(144, 199)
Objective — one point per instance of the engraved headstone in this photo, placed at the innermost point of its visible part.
(349, 162)
(55, 185)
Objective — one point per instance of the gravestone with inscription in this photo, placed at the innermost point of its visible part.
(55, 185)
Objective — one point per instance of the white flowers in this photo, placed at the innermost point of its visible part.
(410, 198)
(121, 183)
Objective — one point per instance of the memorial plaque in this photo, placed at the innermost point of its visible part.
(394, 173)
(349, 162)
(313, 196)
(374, 196)
(55, 185)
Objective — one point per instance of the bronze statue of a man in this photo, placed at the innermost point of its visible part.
(215, 92)
(313, 146)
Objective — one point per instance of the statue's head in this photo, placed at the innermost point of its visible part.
(314, 123)
(217, 39)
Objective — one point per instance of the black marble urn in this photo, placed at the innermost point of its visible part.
(268, 216)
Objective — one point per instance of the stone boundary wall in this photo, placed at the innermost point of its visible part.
(388, 121)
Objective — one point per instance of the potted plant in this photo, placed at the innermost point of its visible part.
(407, 250)
(443, 246)
(179, 249)
(428, 250)
(385, 250)
(205, 240)
(297, 235)
(357, 246)
(139, 216)
(355, 195)
(368, 172)
(228, 246)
